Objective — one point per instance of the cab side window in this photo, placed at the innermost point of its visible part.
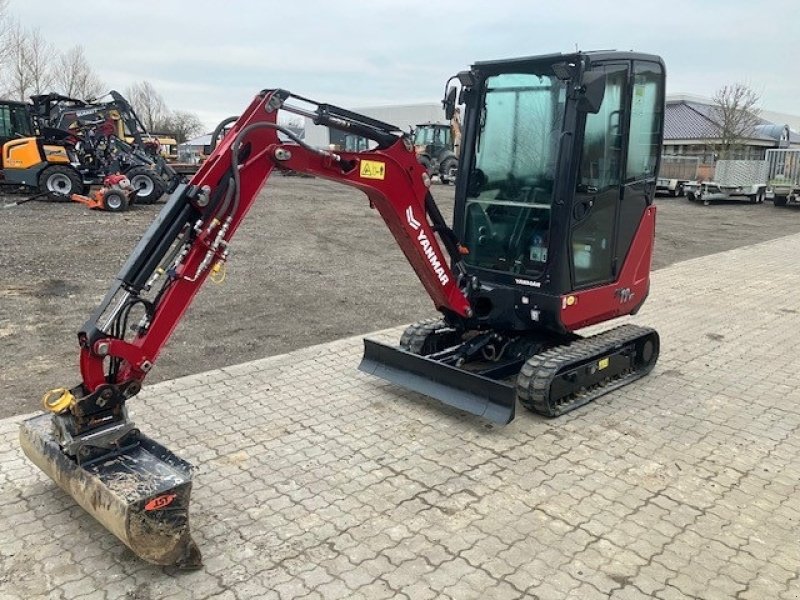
(14, 122)
(597, 196)
(645, 127)
(602, 143)
(6, 129)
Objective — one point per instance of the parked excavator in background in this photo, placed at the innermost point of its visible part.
(553, 231)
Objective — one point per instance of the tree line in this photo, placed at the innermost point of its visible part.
(30, 65)
(157, 117)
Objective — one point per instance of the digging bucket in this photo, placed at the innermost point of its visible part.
(141, 495)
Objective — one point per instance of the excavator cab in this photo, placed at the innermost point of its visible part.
(559, 162)
(553, 208)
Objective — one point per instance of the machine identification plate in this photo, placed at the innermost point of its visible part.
(372, 169)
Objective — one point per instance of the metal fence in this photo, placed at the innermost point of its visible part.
(783, 165)
(678, 167)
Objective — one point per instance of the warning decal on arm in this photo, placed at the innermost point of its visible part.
(372, 169)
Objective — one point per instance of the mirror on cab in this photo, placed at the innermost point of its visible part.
(449, 102)
(593, 88)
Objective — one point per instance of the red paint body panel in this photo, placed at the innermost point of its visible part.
(399, 197)
(600, 304)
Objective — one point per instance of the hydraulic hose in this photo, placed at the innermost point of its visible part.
(237, 143)
(224, 215)
(219, 129)
(226, 201)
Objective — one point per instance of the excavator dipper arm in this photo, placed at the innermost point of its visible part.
(191, 238)
(136, 487)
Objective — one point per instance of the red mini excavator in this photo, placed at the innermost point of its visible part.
(553, 232)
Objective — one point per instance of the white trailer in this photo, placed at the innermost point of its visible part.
(783, 176)
(733, 180)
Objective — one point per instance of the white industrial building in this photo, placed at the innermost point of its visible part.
(405, 116)
(191, 150)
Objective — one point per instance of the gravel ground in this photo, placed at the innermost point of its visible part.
(313, 263)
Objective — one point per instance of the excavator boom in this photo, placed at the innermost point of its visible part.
(203, 216)
(89, 434)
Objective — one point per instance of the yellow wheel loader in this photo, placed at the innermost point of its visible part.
(35, 161)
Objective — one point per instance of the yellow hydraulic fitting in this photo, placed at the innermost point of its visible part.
(58, 400)
(217, 274)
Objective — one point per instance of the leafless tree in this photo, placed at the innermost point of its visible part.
(6, 25)
(148, 104)
(40, 62)
(16, 76)
(29, 68)
(30, 65)
(75, 77)
(735, 112)
(182, 125)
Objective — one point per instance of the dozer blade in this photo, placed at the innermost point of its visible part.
(464, 390)
(141, 495)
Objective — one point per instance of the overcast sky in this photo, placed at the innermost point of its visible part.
(212, 56)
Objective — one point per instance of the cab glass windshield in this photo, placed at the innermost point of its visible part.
(510, 186)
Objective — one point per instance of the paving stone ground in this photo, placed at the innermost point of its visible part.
(317, 481)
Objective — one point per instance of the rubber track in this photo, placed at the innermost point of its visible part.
(415, 336)
(539, 372)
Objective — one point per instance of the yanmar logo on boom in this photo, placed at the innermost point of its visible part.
(427, 247)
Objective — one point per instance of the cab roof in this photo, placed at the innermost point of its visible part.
(527, 62)
(4, 102)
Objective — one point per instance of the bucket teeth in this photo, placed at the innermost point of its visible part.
(140, 495)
